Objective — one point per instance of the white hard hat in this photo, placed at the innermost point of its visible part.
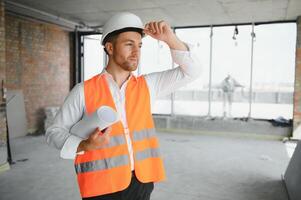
(120, 21)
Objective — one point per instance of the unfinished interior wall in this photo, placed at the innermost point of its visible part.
(3, 147)
(38, 63)
(297, 96)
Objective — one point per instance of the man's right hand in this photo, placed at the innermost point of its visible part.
(96, 140)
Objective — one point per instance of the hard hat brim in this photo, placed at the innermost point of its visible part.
(117, 32)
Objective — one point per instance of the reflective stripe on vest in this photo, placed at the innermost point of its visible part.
(107, 163)
(141, 135)
(147, 153)
(117, 161)
(115, 141)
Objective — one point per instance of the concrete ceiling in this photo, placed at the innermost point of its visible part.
(176, 12)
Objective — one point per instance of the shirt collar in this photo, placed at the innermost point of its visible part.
(108, 75)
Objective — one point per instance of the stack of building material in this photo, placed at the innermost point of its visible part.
(16, 115)
(50, 113)
(3, 144)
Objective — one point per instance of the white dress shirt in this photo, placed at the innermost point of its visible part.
(159, 84)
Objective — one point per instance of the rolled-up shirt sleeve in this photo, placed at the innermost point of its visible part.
(58, 134)
(165, 82)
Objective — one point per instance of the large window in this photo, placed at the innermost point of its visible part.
(271, 94)
(155, 56)
(231, 55)
(274, 71)
(193, 98)
(93, 56)
(271, 91)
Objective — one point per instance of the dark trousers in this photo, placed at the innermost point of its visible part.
(135, 191)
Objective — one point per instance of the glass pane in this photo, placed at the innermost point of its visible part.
(155, 56)
(193, 98)
(231, 71)
(93, 56)
(274, 71)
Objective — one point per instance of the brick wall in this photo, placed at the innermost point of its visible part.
(37, 62)
(3, 148)
(2, 45)
(297, 96)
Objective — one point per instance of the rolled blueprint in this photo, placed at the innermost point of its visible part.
(102, 118)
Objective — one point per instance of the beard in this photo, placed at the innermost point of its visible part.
(126, 63)
(129, 65)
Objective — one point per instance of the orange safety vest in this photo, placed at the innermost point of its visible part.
(107, 170)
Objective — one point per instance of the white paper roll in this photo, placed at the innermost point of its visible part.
(102, 118)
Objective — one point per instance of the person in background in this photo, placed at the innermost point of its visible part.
(228, 86)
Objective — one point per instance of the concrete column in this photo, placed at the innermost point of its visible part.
(297, 95)
(3, 139)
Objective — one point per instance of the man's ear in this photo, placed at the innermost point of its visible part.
(109, 48)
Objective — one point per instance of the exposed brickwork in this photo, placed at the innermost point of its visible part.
(38, 63)
(2, 46)
(297, 96)
(3, 138)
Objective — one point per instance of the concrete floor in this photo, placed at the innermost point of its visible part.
(198, 167)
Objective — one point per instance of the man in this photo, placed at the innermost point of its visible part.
(124, 161)
(228, 85)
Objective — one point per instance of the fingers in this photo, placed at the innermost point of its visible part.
(107, 130)
(106, 134)
(97, 139)
(147, 32)
(95, 134)
(161, 25)
(98, 135)
(148, 29)
(154, 27)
